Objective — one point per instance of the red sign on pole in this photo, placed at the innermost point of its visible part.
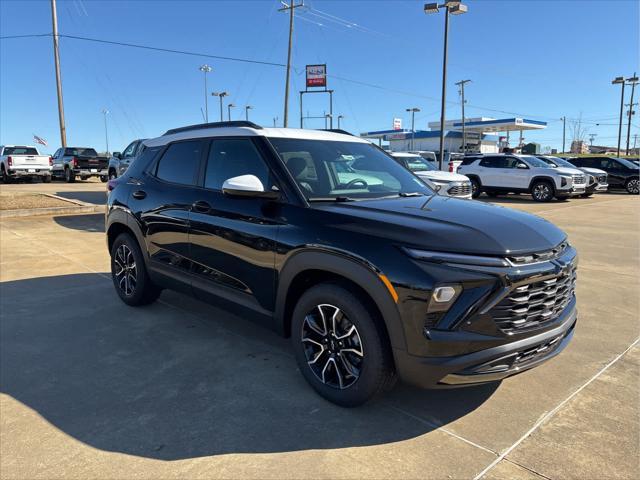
(317, 76)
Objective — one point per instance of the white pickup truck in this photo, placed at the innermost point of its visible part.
(20, 161)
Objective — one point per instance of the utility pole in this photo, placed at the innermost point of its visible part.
(105, 112)
(461, 84)
(56, 57)
(221, 95)
(591, 138)
(291, 7)
(229, 107)
(339, 118)
(634, 81)
(564, 132)
(205, 69)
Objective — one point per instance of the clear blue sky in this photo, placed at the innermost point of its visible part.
(539, 59)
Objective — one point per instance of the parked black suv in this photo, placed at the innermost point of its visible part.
(622, 173)
(370, 273)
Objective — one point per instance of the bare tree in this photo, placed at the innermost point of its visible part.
(578, 131)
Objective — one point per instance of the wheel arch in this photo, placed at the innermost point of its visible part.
(307, 268)
(544, 178)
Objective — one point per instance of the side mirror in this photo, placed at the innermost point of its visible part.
(117, 155)
(247, 186)
(437, 187)
(521, 165)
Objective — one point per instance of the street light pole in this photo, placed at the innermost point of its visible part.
(205, 69)
(246, 112)
(452, 7)
(413, 111)
(105, 112)
(622, 81)
(461, 84)
(633, 81)
(339, 118)
(564, 132)
(291, 7)
(221, 95)
(229, 107)
(56, 58)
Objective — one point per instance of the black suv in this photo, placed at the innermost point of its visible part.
(622, 173)
(371, 274)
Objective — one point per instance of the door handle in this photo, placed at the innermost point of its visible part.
(201, 206)
(139, 194)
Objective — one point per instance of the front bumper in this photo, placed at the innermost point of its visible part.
(571, 192)
(490, 365)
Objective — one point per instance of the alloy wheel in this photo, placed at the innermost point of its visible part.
(332, 346)
(541, 191)
(633, 186)
(125, 270)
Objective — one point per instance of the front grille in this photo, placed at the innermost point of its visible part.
(461, 190)
(538, 257)
(579, 179)
(535, 304)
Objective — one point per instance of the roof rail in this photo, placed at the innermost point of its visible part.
(201, 126)
(336, 130)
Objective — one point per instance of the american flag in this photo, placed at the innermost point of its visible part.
(39, 140)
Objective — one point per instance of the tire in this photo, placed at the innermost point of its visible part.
(104, 178)
(356, 348)
(492, 194)
(5, 178)
(542, 191)
(46, 179)
(586, 195)
(69, 177)
(129, 273)
(112, 174)
(476, 189)
(632, 186)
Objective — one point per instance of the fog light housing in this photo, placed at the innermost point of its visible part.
(443, 297)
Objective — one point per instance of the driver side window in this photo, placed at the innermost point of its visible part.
(230, 158)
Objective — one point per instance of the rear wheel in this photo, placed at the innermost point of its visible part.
(129, 273)
(5, 177)
(69, 177)
(632, 186)
(104, 178)
(340, 349)
(476, 190)
(542, 191)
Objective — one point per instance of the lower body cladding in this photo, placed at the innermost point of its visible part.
(516, 319)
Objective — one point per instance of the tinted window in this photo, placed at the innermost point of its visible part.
(20, 151)
(233, 158)
(492, 162)
(512, 162)
(180, 162)
(128, 152)
(80, 152)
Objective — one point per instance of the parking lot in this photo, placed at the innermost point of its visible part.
(91, 388)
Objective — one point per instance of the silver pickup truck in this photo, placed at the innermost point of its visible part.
(23, 161)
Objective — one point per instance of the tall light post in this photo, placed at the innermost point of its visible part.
(105, 112)
(221, 95)
(246, 112)
(340, 117)
(622, 81)
(633, 81)
(454, 8)
(413, 111)
(205, 69)
(461, 84)
(229, 107)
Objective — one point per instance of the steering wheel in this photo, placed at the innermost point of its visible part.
(356, 181)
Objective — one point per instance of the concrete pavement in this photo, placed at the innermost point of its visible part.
(93, 388)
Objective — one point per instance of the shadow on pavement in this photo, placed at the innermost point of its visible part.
(91, 222)
(96, 198)
(174, 382)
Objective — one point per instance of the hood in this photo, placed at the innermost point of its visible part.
(567, 171)
(593, 171)
(442, 176)
(448, 224)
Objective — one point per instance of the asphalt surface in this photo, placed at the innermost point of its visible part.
(91, 388)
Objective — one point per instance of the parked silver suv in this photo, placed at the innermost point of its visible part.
(119, 162)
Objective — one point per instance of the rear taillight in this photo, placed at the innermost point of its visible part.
(51, 161)
(74, 162)
(9, 161)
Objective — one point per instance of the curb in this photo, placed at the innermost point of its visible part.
(78, 208)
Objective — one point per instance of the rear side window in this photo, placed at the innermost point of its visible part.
(179, 163)
(233, 158)
(469, 160)
(491, 162)
(20, 151)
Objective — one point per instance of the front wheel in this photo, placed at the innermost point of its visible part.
(542, 191)
(475, 188)
(632, 186)
(340, 350)
(112, 175)
(104, 178)
(129, 273)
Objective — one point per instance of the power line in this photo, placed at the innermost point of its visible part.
(33, 35)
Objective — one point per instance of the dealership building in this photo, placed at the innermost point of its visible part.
(484, 135)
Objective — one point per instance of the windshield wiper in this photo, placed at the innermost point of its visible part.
(331, 199)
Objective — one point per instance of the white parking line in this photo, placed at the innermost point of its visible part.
(550, 414)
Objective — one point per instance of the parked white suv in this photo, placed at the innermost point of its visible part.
(508, 173)
(451, 184)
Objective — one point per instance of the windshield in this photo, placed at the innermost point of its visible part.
(20, 151)
(328, 170)
(559, 162)
(534, 161)
(80, 152)
(417, 164)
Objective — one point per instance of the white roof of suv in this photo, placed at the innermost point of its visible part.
(248, 131)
